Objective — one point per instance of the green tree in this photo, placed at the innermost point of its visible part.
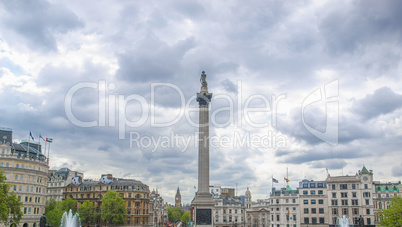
(393, 215)
(53, 212)
(87, 212)
(68, 204)
(175, 213)
(113, 208)
(186, 217)
(10, 205)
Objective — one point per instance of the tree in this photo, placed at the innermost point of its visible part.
(186, 217)
(87, 212)
(175, 213)
(53, 212)
(10, 205)
(113, 208)
(68, 204)
(393, 215)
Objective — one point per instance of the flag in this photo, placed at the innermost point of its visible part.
(49, 140)
(195, 187)
(275, 180)
(30, 135)
(41, 137)
(286, 179)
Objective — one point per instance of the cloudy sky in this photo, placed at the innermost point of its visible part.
(303, 85)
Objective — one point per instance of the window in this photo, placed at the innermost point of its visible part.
(355, 202)
(312, 192)
(306, 210)
(333, 194)
(367, 202)
(305, 192)
(368, 221)
(313, 201)
(366, 194)
(17, 165)
(306, 220)
(321, 210)
(354, 194)
(344, 194)
(334, 211)
(277, 218)
(313, 210)
(353, 186)
(322, 220)
(312, 185)
(294, 200)
(217, 219)
(320, 185)
(16, 177)
(365, 186)
(367, 211)
(344, 202)
(305, 185)
(334, 202)
(20, 188)
(343, 186)
(345, 211)
(314, 220)
(333, 187)
(320, 192)
(305, 201)
(320, 201)
(355, 211)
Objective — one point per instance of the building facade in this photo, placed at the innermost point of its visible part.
(177, 198)
(135, 194)
(258, 215)
(26, 170)
(228, 211)
(384, 192)
(285, 209)
(57, 180)
(158, 210)
(215, 190)
(313, 203)
(352, 197)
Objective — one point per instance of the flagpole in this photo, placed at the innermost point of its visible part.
(29, 139)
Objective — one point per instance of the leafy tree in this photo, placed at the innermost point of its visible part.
(113, 208)
(53, 212)
(87, 212)
(68, 204)
(10, 205)
(175, 213)
(393, 215)
(186, 217)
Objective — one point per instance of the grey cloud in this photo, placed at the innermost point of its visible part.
(348, 28)
(397, 171)
(330, 164)
(382, 101)
(153, 60)
(229, 86)
(38, 23)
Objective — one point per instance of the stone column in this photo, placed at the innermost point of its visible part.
(203, 203)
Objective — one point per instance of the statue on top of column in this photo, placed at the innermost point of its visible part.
(203, 79)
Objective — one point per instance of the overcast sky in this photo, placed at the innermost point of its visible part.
(303, 85)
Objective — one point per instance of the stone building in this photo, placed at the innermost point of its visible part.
(285, 209)
(57, 180)
(384, 192)
(228, 211)
(215, 190)
(135, 194)
(25, 167)
(313, 203)
(258, 215)
(158, 210)
(177, 199)
(351, 196)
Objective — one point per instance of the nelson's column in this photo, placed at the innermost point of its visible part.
(203, 203)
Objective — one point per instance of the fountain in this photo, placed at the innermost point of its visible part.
(343, 222)
(70, 220)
